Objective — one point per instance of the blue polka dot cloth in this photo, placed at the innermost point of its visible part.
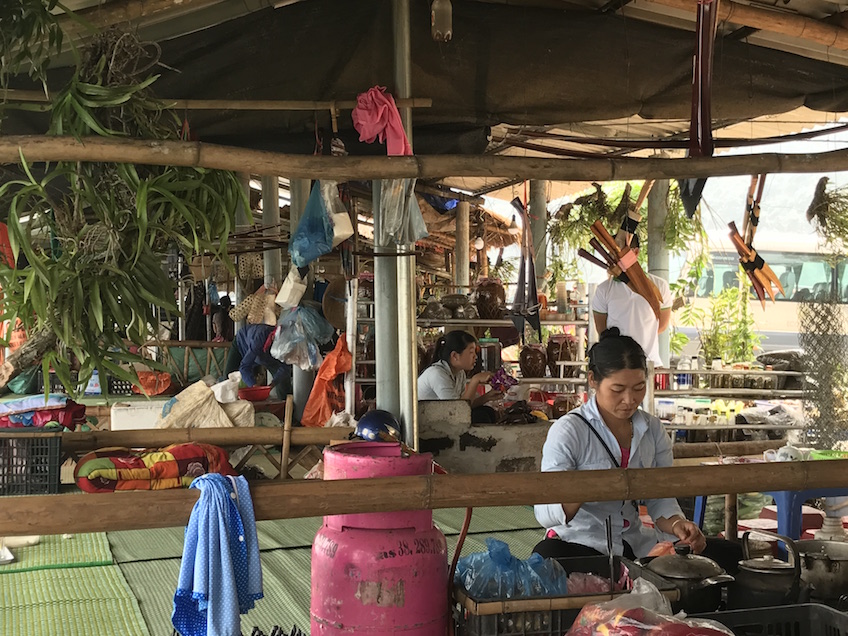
(220, 574)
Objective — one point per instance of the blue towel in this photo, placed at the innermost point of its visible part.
(220, 574)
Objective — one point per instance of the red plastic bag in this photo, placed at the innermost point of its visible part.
(327, 396)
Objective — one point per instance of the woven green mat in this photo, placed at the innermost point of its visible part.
(167, 543)
(286, 580)
(81, 550)
(84, 601)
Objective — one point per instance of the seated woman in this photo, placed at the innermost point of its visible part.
(610, 431)
(446, 378)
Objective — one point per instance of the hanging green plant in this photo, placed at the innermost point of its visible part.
(94, 235)
(30, 35)
(828, 213)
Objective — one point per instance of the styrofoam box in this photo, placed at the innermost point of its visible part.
(129, 416)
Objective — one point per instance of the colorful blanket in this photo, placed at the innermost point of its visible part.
(176, 466)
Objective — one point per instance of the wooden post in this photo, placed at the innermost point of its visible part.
(731, 516)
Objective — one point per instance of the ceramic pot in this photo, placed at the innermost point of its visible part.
(561, 348)
(533, 361)
(491, 300)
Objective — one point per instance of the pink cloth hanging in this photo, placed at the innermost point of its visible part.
(376, 117)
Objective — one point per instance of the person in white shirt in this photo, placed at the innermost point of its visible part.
(616, 305)
(607, 432)
(446, 379)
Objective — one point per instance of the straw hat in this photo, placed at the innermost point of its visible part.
(334, 302)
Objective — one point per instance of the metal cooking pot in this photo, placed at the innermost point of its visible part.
(698, 578)
(765, 581)
(824, 566)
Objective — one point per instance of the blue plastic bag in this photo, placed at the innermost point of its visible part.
(496, 574)
(314, 234)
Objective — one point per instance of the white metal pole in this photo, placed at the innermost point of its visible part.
(657, 249)
(462, 271)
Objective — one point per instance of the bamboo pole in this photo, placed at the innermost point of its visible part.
(55, 514)
(714, 449)
(793, 25)
(198, 154)
(157, 438)
(18, 95)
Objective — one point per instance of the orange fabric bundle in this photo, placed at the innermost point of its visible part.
(328, 396)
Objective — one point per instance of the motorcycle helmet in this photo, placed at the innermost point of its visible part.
(378, 426)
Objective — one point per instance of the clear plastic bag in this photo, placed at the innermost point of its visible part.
(646, 612)
(496, 574)
(314, 234)
(299, 334)
(403, 222)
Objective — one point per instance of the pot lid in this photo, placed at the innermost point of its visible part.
(767, 564)
(685, 565)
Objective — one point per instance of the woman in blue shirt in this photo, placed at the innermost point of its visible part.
(610, 431)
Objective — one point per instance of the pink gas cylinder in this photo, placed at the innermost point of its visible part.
(379, 573)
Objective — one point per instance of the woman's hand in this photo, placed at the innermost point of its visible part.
(482, 378)
(689, 533)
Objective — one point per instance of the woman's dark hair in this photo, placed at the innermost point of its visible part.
(454, 341)
(614, 352)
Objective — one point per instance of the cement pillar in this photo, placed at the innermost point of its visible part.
(301, 380)
(385, 317)
(462, 273)
(407, 329)
(539, 226)
(273, 258)
(657, 249)
(241, 225)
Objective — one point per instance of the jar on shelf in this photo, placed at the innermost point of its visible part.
(562, 348)
(491, 300)
(737, 378)
(769, 381)
(533, 361)
(715, 377)
(490, 354)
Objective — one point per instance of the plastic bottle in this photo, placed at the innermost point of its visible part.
(694, 380)
(684, 381)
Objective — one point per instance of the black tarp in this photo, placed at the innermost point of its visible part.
(506, 64)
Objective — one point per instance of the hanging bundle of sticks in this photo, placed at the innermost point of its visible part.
(622, 264)
(756, 269)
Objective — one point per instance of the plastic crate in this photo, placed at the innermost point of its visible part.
(56, 385)
(808, 619)
(30, 462)
(551, 616)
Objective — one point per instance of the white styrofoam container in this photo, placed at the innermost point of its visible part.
(129, 416)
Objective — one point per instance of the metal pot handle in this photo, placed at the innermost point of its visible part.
(718, 579)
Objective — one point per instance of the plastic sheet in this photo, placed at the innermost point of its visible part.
(402, 221)
(496, 574)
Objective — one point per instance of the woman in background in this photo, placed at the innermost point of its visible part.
(447, 378)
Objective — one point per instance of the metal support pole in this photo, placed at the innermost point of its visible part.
(657, 249)
(273, 258)
(462, 273)
(301, 380)
(241, 225)
(406, 336)
(385, 317)
(539, 227)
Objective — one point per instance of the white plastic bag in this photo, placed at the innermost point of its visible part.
(292, 290)
(226, 391)
(339, 217)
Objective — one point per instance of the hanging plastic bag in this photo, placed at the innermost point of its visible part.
(328, 396)
(212, 291)
(403, 222)
(314, 234)
(292, 290)
(339, 217)
(299, 334)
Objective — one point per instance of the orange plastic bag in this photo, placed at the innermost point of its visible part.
(154, 383)
(328, 396)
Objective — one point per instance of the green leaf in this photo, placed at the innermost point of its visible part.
(96, 304)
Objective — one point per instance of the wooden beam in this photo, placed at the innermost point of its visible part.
(18, 95)
(135, 11)
(56, 514)
(160, 437)
(198, 154)
(784, 23)
(727, 449)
